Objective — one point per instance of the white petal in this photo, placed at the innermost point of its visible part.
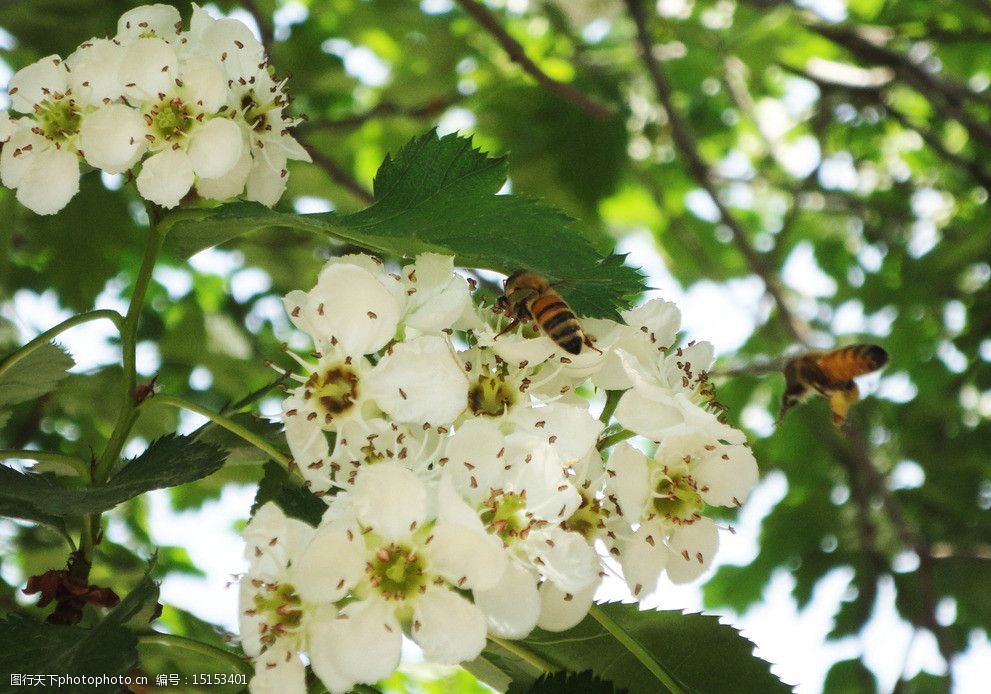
(232, 43)
(549, 494)
(293, 150)
(726, 482)
(215, 148)
(322, 635)
(476, 455)
(467, 558)
(513, 605)
(272, 541)
(330, 565)
(628, 480)
(643, 557)
(50, 182)
(452, 508)
(166, 177)
(420, 381)
(250, 623)
(363, 644)
(692, 549)
(570, 430)
(94, 75)
(515, 348)
(447, 627)
(390, 499)
(650, 413)
(32, 84)
(266, 180)
(559, 610)
(309, 447)
(442, 309)
(113, 138)
(15, 160)
(204, 84)
(8, 126)
(660, 318)
(565, 558)
(278, 671)
(359, 310)
(161, 20)
(228, 186)
(149, 68)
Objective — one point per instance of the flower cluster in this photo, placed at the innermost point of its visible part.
(470, 490)
(194, 111)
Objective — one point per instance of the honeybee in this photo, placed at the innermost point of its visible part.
(831, 375)
(528, 296)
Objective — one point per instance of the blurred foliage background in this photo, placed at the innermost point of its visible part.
(833, 152)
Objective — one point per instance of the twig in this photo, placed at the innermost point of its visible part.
(684, 141)
(339, 175)
(518, 55)
(431, 108)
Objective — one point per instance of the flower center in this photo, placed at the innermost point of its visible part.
(59, 118)
(170, 119)
(589, 518)
(506, 516)
(491, 395)
(397, 572)
(281, 609)
(335, 389)
(677, 499)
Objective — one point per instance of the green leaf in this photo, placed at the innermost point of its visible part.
(294, 500)
(28, 647)
(439, 194)
(695, 650)
(568, 683)
(169, 461)
(34, 375)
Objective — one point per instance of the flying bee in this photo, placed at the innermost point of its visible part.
(528, 296)
(831, 375)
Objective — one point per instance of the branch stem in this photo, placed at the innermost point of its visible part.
(523, 654)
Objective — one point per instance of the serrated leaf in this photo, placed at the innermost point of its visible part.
(31, 376)
(568, 683)
(169, 461)
(239, 451)
(695, 650)
(294, 500)
(439, 194)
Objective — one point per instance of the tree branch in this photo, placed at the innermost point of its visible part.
(340, 175)
(687, 147)
(518, 55)
(431, 108)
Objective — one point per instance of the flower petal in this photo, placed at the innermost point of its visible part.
(390, 499)
(149, 68)
(512, 605)
(166, 177)
(333, 561)
(161, 20)
(643, 557)
(278, 671)
(476, 455)
(204, 84)
(692, 549)
(354, 306)
(570, 430)
(564, 558)
(50, 182)
(94, 72)
(228, 186)
(420, 381)
(215, 148)
(627, 479)
(467, 558)
(559, 610)
(113, 138)
(447, 627)
(726, 481)
(361, 645)
(33, 84)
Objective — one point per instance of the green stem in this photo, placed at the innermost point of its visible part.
(222, 421)
(47, 336)
(635, 649)
(128, 339)
(81, 468)
(613, 439)
(612, 400)
(529, 657)
(186, 644)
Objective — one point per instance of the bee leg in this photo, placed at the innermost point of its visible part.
(591, 345)
(512, 324)
(840, 401)
(793, 395)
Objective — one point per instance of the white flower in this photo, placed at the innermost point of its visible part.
(437, 296)
(166, 177)
(645, 331)
(162, 21)
(94, 72)
(41, 83)
(397, 563)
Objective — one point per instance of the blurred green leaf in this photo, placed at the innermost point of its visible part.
(33, 375)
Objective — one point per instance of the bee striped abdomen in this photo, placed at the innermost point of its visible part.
(558, 321)
(844, 364)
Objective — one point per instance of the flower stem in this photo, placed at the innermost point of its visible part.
(183, 643)
(612, 400)
(636, 650)
(222, 421)
(529, 657)
(613, 439)
(81, 468)
(128, 338)
(47, 336)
